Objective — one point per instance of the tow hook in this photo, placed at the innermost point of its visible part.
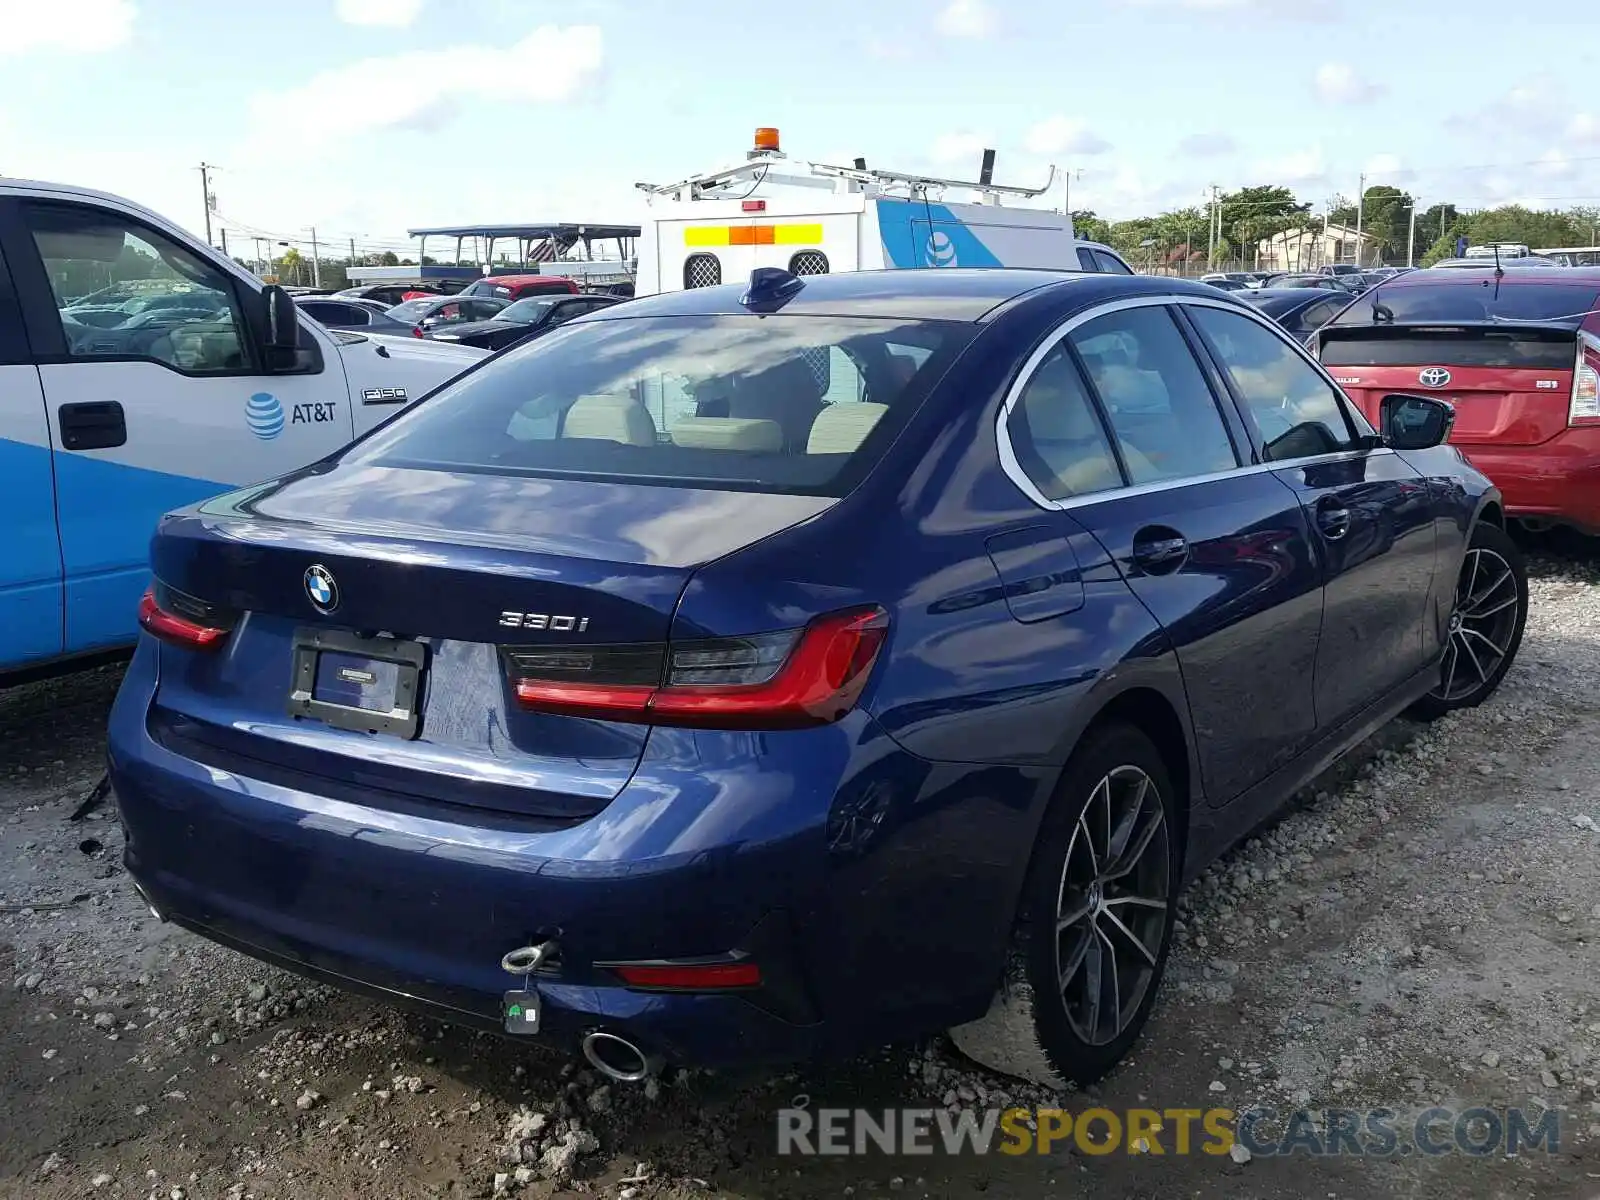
(521, 1007)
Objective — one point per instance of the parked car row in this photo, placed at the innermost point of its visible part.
(468, 319)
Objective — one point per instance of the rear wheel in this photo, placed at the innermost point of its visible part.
(1098, 912)
(1486, 623)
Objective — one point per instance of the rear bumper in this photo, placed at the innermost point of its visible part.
(1558, 480)
(862, 928)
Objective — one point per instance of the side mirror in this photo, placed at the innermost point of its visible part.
(1415, 422)
(283, 319)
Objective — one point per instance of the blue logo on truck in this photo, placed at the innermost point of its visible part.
(264, 415)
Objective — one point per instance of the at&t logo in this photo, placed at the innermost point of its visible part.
(264, 415)
(941, 251)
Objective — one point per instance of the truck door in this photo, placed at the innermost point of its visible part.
(154, 393)
(30, 568)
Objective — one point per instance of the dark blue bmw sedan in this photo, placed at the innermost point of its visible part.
(759, 672)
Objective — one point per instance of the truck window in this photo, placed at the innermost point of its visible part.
(124, 291)
(1110, 263)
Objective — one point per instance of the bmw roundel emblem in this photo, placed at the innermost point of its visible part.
(321, 588)
(1433, 377)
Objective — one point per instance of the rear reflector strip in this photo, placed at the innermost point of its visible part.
(783, 680)
(690, 977)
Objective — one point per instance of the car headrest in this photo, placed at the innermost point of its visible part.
(610, 419)
(841, 428)
(728, 433)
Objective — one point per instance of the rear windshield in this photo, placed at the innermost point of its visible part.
(802, 404)
(1473, 299)
(411, 310)
(1535, 349)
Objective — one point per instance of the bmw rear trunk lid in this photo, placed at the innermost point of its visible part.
(368, 614)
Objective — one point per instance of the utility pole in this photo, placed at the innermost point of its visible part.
(352, 251)
(1411, 244)
(210, 200)
(262, 258)
(316, 263)
(1361, 201)
(224, 232)
(1212, 223)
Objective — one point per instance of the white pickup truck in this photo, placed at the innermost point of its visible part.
(141, 370)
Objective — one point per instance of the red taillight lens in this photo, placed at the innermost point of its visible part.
(416, 331)
(691, 977)
(784, 680)
(162, 614)
(1584, 407)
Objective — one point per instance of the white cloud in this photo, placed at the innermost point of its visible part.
(1338, 83)
(965, 19)
(1064, 135)
(66, 26)
(394, 14)
(1584, 129)
(436, 80)
(962, 147)
(1293, 10)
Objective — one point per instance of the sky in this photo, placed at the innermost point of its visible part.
(363, 118)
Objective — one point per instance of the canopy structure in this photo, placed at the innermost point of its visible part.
(536, 243)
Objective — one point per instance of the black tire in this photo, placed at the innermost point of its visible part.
(1486, 624)
(1101, 778)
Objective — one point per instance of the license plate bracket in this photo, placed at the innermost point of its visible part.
(367, 685)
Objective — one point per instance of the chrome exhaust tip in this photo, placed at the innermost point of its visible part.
(148, 903)
(617, 1058)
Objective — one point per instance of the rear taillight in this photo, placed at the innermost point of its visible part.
(183, 620)
(1585, 406)
(786, 680)
(416, 331)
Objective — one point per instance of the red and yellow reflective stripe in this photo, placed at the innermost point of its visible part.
(753, 235)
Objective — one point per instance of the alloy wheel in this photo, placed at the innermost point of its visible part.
(1111, 907)
(1482, 625)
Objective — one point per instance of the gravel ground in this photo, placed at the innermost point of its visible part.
(1419, 931)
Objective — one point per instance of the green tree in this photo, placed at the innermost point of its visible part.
(1253, 214)
(388, 259)
(1386, 218)
(1090, 227)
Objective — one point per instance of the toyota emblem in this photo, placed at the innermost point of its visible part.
(321, 588)
(1434, 377)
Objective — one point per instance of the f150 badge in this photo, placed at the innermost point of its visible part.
(550, 621)
(383, 396)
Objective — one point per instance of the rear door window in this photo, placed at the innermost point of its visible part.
(1086, 260)
(802, 404)
(1110, 263)
(1161, 408)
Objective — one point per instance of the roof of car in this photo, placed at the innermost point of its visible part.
(946, 293)
(1267, 295)
(520, 279)
(1463, 276)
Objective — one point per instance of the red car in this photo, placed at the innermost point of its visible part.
(520, 287)
(1515, 352)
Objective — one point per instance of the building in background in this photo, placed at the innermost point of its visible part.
(1314, 246)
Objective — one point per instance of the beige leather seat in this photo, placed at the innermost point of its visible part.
(610, 419)
(728, 433)
(841, 428)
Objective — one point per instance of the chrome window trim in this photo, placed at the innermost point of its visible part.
(1010, 464)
